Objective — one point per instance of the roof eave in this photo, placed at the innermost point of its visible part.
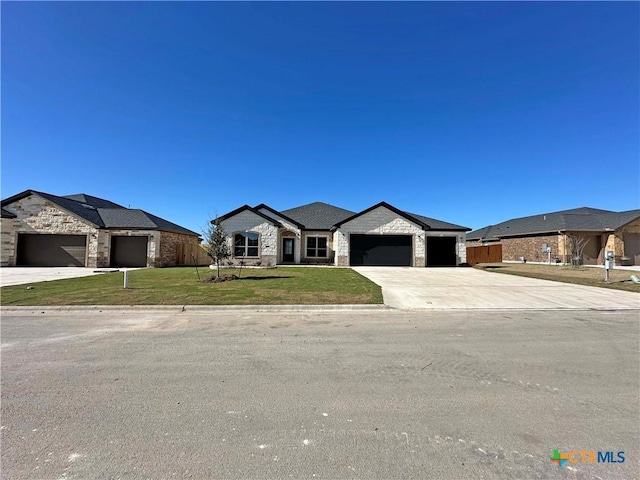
(282, 215)
(232, 213)
(388, 206)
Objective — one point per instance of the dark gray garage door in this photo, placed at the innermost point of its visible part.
(441, 251)
(51, 250)
(129, 251)
(381, 250)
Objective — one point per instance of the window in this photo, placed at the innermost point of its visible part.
(317, 247)
(245, 244)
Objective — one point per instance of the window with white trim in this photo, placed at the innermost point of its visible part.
(245, 244)
(317, 247)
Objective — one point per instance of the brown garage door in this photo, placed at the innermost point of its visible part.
(632, 247)
(128, 251)
(51, 250)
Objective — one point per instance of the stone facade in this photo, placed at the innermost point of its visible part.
(38, 215)
(380, 221)
(247, 221)
(8, 241)
(288, 230)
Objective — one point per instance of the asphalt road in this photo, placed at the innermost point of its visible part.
(318, 394)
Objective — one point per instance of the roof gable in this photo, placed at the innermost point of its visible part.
(398, 212)
(243, 208)
(279, 214)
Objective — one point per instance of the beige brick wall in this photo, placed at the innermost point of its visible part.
(530, 248)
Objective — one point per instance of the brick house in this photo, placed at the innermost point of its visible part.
(319, 233)
(605, 230)
(41, 229)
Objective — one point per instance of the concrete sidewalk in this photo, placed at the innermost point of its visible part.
(468, 288)
(27, 275)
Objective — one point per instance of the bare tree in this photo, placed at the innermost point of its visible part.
(576, 248)
(216, 245)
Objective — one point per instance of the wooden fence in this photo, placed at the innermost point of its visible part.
(190, 254)
(484, 254)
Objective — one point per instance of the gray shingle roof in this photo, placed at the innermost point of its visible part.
(322, 216)
(577, 219)
(93, 201)
(318, 215)
(437, 224)
(110, 216)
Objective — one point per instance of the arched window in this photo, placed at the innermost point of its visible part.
(245, 244)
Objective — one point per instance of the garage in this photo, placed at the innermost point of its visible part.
(381, 250)
(49, 250)
(129, 251)
(441, 252)
(632, 247)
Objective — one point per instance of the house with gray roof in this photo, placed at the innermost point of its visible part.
(604, 230)
(319, 233)
(41, 229)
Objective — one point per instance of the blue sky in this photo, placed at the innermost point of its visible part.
(472, 113)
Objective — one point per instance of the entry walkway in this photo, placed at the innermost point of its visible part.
(469, 288)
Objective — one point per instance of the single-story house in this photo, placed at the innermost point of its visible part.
(319, 233)
(604, 230)
(41, 229)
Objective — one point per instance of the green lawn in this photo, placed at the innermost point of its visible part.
(593, 277)
(180, 286)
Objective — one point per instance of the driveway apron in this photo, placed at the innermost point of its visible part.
(469, 288)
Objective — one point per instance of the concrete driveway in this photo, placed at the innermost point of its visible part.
(446, 288)
(26, 275)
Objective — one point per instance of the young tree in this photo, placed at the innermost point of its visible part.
(216, 245)
(576, 248)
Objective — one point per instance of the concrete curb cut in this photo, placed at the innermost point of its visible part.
(195, 308)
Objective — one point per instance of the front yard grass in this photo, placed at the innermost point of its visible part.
(592, 277)
(180, 286)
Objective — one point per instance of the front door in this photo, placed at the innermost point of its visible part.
(287, 250)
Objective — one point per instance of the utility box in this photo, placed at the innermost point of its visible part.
(608, 259)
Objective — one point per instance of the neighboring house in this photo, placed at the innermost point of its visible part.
(525, 237)
(319, 233)
(40, 229)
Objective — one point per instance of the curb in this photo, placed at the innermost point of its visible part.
(195, 308)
